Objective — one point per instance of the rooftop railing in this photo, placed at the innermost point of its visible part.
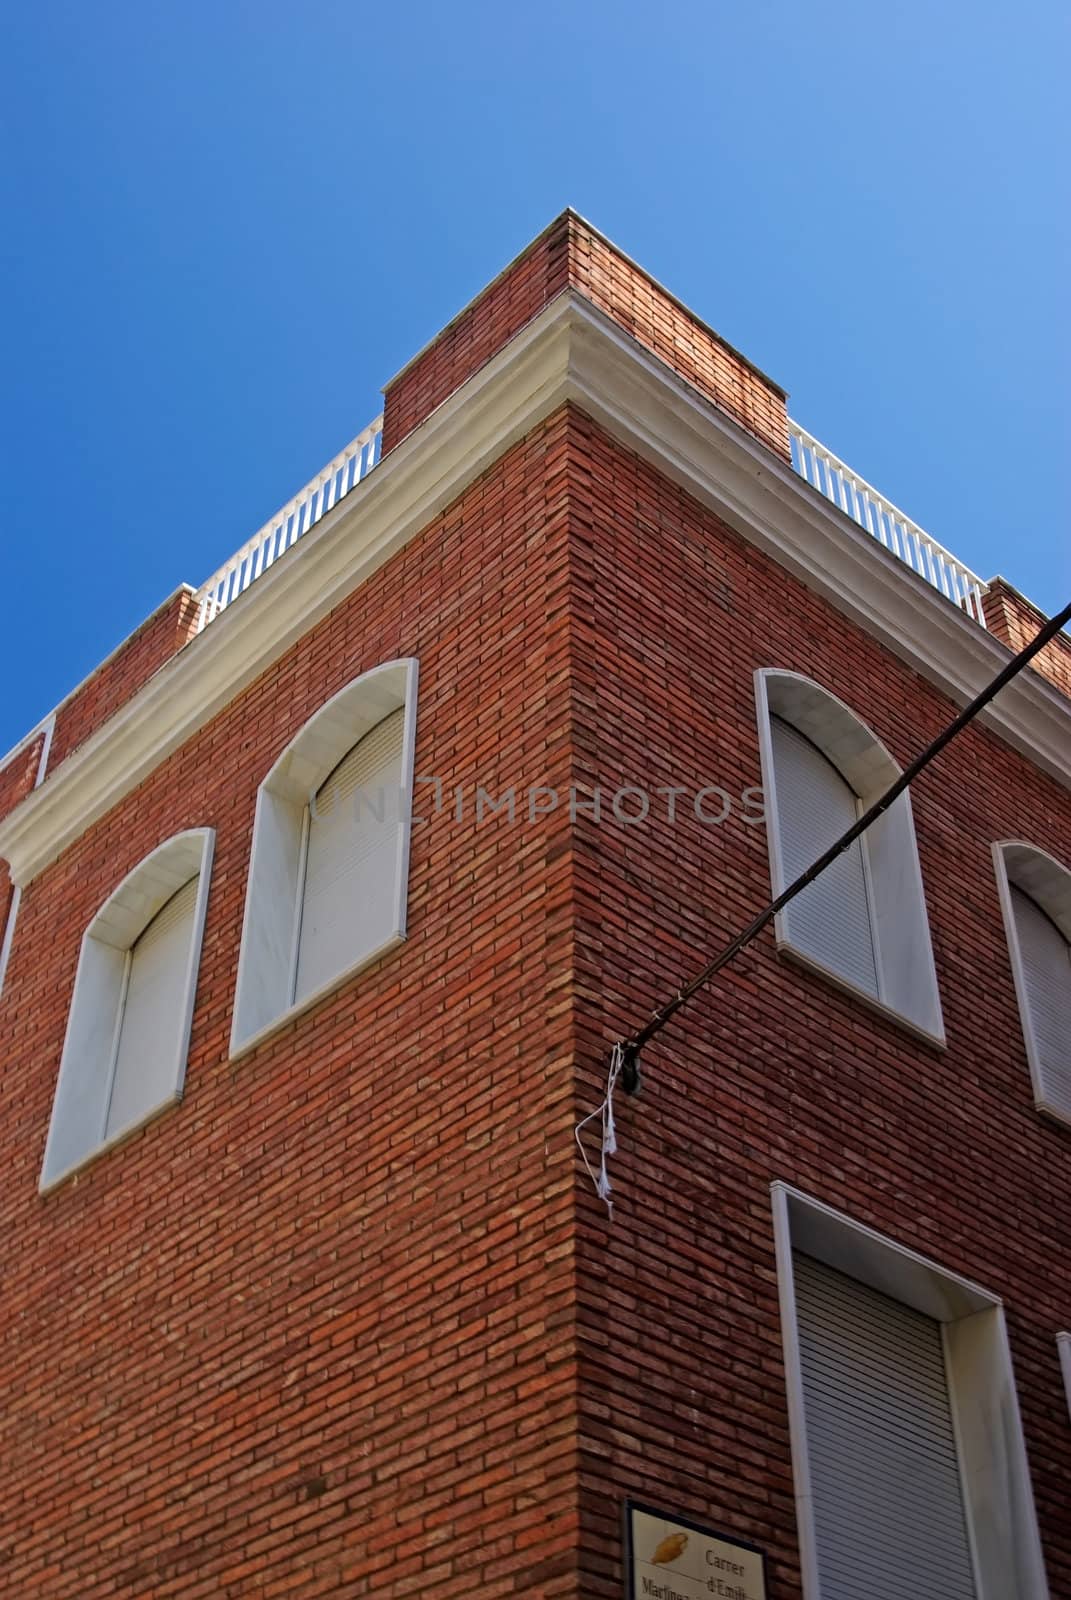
(886, 523)
(291, 523)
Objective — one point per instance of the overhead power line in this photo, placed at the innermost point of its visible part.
(627, 1051)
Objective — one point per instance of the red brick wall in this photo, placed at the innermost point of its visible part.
(19, 775)
(7, 894)
(329, 1327)
(477, 333)
(123, 674)
(310, 1332)
(570, 253)
(773, 1073)
(1015, 621)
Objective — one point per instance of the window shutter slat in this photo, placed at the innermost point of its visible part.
(831, 919)
(1046, 963)
(151, 1025)
(888, 1502)
(350, 893)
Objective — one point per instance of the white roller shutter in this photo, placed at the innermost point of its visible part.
(831, 919)
(349, 906)
(153, 1014)
(888, 1504)
(1046, 963)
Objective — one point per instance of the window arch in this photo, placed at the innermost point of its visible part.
(863, 921)
(128, 1029)
(328, 870)
(1035, 898)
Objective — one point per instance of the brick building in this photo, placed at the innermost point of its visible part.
(330, 891)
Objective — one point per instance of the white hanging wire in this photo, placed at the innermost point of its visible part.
(605, 1112)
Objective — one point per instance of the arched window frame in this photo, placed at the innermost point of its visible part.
(1048, 883)
(90, 1048)
(903, 953)
(269, 948)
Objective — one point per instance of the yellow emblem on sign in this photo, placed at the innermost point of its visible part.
(670, 1549)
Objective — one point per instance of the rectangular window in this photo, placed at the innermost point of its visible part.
(889, 1517)
(907, 1448)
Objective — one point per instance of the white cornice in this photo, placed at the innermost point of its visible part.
(570, 351)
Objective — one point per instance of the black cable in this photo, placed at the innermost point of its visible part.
(631, 1047)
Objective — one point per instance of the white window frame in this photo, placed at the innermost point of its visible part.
(271, 922)
(995, 1473)
(87, 1065)
(903, 953)
(9, 932)
(1048, 883)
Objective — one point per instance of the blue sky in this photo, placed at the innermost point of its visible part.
(229, 224)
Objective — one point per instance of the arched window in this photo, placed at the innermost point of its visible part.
(128, 1030)
(816, 805)
(328, 871)
(1035, 894)
(348, 898)
(863, 920)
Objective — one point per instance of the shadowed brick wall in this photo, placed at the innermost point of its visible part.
(125, 671)
(1015, 620)
(19, 774)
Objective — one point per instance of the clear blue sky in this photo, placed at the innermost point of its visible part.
(228, 224)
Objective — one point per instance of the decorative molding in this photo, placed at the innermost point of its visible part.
(569, 352)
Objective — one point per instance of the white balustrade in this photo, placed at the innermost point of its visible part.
(291, 523)
(819, 466)
(884, 522)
